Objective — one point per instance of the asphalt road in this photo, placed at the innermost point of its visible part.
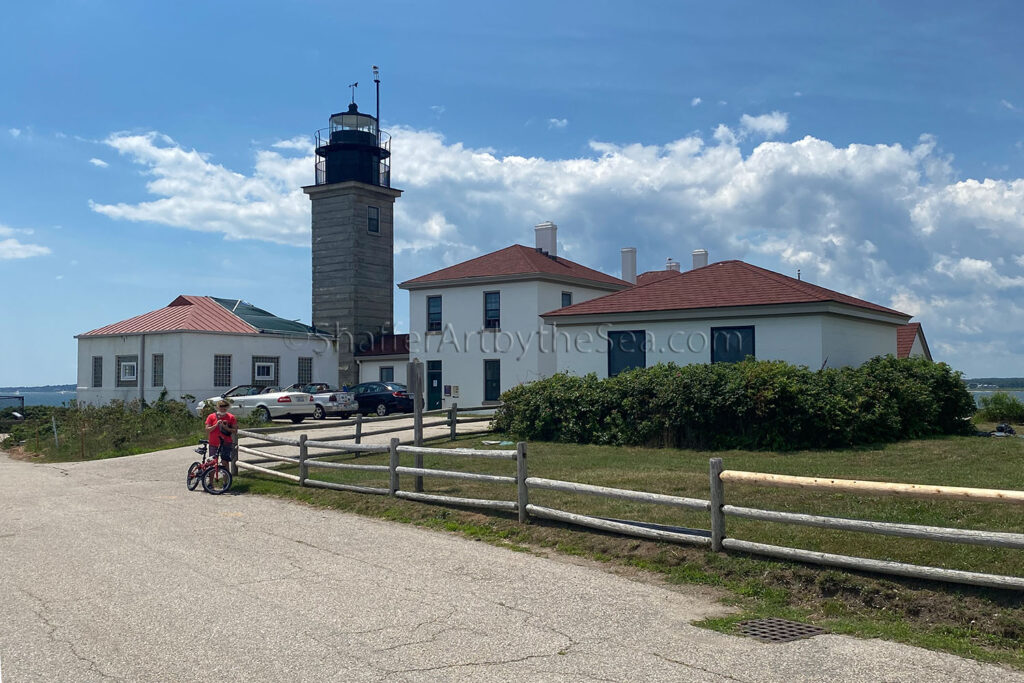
(112, 570)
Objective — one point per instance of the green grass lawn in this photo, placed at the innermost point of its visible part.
(981, 623)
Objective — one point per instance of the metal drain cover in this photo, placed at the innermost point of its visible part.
(772, 630)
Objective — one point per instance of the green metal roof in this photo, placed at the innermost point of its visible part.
(264, 321)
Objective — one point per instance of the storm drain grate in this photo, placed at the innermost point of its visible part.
(774, 630)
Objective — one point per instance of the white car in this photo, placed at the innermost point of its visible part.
(328, 400)
(265, 402)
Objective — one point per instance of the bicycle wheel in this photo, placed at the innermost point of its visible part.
(217, 479)
(195, 473)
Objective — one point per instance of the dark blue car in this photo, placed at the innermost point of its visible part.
(381, 398)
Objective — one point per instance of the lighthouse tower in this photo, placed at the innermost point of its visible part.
(353, 233)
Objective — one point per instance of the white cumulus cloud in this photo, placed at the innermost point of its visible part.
(15, 132)
(768, 125)
(695, 101)
(558, 123)
(11, 248)
(98, 162)
(886, 222)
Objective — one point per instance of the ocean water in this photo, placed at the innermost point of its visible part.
(39, 398)
(978, 394)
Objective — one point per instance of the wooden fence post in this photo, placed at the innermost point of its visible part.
(359, 427)
(453, 416)
(303, 454)
(717, 501)
(523, 494)
(393, 465)
(233, 465)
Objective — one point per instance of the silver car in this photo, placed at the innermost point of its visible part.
(328, 400)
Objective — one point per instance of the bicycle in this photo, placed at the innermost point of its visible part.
(215, 477)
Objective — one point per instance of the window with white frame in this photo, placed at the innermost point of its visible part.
(158, 370)
(265, 370)
(222, 371)
(305, 374)
(126, 371)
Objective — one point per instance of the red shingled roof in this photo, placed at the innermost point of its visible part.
(722, 284)
(655, 275)
(515, 260)
(186, 314)
(905, 336)
(387, 345)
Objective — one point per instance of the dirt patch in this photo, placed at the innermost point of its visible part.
(19, 453)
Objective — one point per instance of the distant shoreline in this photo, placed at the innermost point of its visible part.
(46, 387)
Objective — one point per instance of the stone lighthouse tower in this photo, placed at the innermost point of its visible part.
(353, 233)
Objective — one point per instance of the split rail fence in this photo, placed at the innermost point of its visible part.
(714, 538)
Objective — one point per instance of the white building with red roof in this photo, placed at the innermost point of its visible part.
(199, 346)
(521, 314)
(477, 326)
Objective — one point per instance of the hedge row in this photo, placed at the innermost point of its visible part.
(751, 405)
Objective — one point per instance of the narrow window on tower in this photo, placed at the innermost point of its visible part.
(372, 219)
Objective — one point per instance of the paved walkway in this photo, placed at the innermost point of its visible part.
(112, 570)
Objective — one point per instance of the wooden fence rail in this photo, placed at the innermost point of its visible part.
(720, 511)
(875, 487)
(715, 537)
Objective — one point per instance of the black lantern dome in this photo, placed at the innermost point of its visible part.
(353, 148)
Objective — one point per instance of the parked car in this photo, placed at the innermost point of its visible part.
(328, 400)
(265, 402)
(381, 398)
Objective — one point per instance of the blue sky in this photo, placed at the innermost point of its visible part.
(150, 150)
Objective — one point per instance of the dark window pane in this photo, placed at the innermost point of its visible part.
(433, 313)
(387, 374)
(626, 350)
(305, 370)
(566, 299)
(492, 310)
(97, 371)
(492, 380)
(158, 369)
(372, 219)
(222, 371)
(731, 344)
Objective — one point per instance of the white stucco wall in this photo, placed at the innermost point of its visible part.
(795, 339)
(188, 362)
(463, 345)
(850, 342)
(917, 348)
(799, 339)
(369, 370)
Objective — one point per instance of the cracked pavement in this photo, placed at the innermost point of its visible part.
(112, 570)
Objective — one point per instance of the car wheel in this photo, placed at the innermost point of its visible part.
(382, 409)
(263, 414)
(319, 413)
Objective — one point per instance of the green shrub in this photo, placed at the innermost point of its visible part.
(117, 428)
(1002, 407)
(750, 405)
